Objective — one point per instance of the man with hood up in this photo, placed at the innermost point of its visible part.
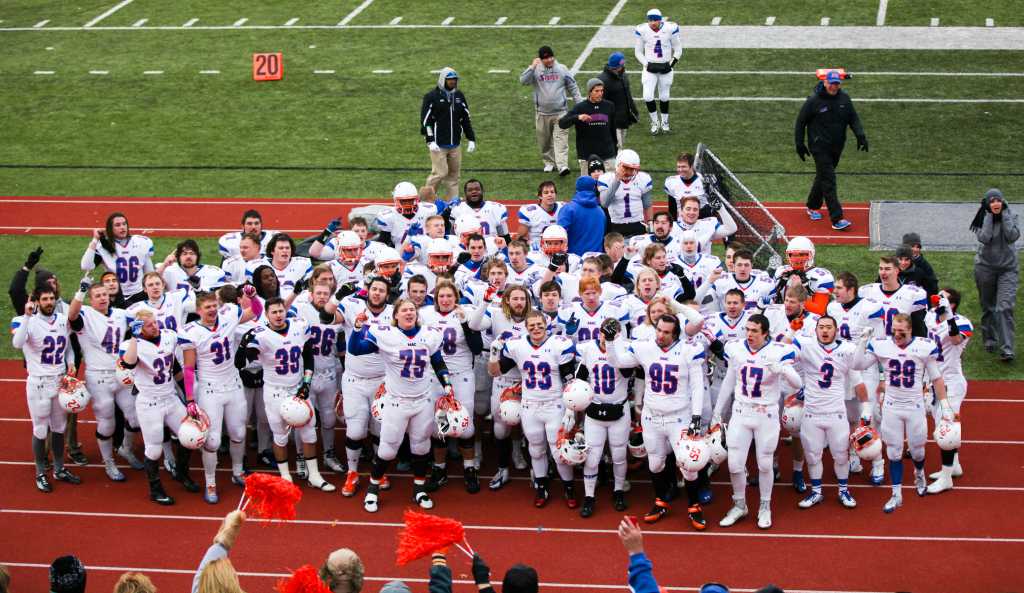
(444, 118)
(823, 119)
(583, 218)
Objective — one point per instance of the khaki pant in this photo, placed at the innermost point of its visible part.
(445, 167)
(620, 137)
(553, 141)
(609, 166)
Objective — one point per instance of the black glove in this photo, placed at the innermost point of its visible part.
(802, 152)
(557, 260)
(247, 339)
(303, 391)
(610, 328)
(862, 143)
(325, 317)
(940, 311)
(33, 258)
(481, 572)
(677, 270)
(463, 258)
(345, 290)
(694, 425)
(301, 285)
(673, 63)
(193, 281)
(954, 329)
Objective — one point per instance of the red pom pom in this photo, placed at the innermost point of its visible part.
(303, 580)
(271, 497)
(425, 534)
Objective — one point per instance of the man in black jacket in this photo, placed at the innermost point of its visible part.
(616, 90)
(593, 119)
(444, 118)
(824, 118)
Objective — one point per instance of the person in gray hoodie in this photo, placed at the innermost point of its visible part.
(551, 82)
(995, 271)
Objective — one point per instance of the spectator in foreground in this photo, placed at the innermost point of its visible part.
(5, 579)
(583, 219)
(343, 572)
(134, 582)
(995, 272)
(67, 575)
(519, 578)
(216, 573)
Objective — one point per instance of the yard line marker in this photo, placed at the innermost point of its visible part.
(323, 72)
(291, 21)
(209, 71)
(43, 72)
(99, 72)
(824, 21)
(435, 71)
(883, 6)
(592, 43)
(501, 20)
(990, 22)
(498, 71)
(769, 21)
(190, 22)
(447, 21)
(240, 22)
(935, 22)
(383, 71)
(355, 12)
(554, 20)
(40, 24)
(109, 12)
(396, 20)
(151, 72)
(139, 22)
(49, 48)
(716, 21)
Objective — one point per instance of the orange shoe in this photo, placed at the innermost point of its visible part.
(385, 483)
(351, 484)
(659, 510)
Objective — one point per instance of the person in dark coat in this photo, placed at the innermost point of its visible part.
(616, 90)
(593, 119)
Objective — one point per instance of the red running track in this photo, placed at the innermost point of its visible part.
(180, 217)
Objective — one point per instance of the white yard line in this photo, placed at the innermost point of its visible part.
(811, 73)
(44, 72)
(592, 44)
(501, 20)
(323, 72)
(883, 6)
(498, 71)
(209, 71)
(859, 100)
(99, 72)
(447, 21)
(108, 12)
(355, 12)
(554, 20)
(152, 72)
(396, 20)
(291, 21)
(40, 24)
(190, 22)
(383, 71)
(239, 22)
(305, 27)
(139, 22)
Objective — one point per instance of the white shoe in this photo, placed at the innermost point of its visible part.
(893, 503)
(811, 499)
(847, 500)
(941, 484)
(920, 483)
(957, 472)
(423, 500)
(654, 129)
(500, 479)
(737, 512)
(370, 503)
(549, 168)
(764, 516)
(321, 484)
(110, 466)
(332, 463)
(664, 127)
(855, 466)
(518, 460)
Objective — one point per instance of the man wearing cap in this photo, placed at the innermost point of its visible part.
(593, 119)
(658, 48)
(551, 82)
(616, 90)
(626, 195)
(823, 119)
(444, 118)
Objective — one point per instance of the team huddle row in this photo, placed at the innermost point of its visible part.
(653, 348)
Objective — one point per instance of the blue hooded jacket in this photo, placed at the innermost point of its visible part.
(583, 218)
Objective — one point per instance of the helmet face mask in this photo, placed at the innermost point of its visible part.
(407, 205)
(439, 263)
(800, 253)
(388, 268)
(553, 246)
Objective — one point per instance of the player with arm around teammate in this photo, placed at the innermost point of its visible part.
(129, 256)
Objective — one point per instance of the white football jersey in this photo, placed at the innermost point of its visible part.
(673, 377)
(757, 288)
(406, 358)
(345, 275)
(819, 280)
(281, 352)
(101, 335)
(626, 206)
(371, 249)
(530, 275)
(493, 216)
(215, 347)
(326, 338)
(950, 354)
(725, 329)
(47, 343)
(779, 323)
(367, 366)
(207, 278)
(298, 268)
(454, 347)
(609, 384)
(706, 229)
(658, 46)
(542, 380)
(154, 371)
(392, 221)
(906, 299)
(755, 383)
(676, 188)
(588, 323)
(495, 325)
(419, 246)
(904, 370)
(235, 269)
(828, 372)
(673, 248)
(228, 242)
(130, 261)
(535, 219)
(854, 319)
(419, 270)
(170, 311)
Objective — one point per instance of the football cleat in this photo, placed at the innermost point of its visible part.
(472, 478)
(957, 472)
(500, 479)
(385, 483)
(654, 129)
(64, 475)
(893, 503)
(737, 512)
(764, 515)
(540, 496)
(351, 484)
(877, 472)
(659, 510)
(321, 485)
(798, 482)
(697, 519)
(238, 480)
(300, 467)
(619, 500)
(549, 168)
(130, 458)
(847, 500)
(438, 478)
(370, 502)
(112, 471)
(920, 483)
(210, 496)
(664, 127)
(942, 484)
(77, 457)
(43, 484)
(332, 462)
(569, 491)
(587, 510)
(157, 495)
(420, 497)
(855, 466)
(810, 500)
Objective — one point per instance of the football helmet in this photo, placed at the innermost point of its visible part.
(630, 160)
(192, 432)
(350, 248)
(124, 375)
(554, 240)
(692, 453)
(715, 439)
(72, 394)
(800, 253)
(407, 198)
(296, 411)
(451, 417)
(377, 407)
(792, 414)
(867, 443)
(572, 447)
(635, 445)
(511, 406)
(947, 435)
(577, 395)
(466, 226)
(440, 255)
(388, 262)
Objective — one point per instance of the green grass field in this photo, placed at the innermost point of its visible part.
(354, 133)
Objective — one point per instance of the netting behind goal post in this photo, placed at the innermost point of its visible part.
(756, 227)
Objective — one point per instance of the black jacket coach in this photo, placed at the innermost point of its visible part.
(596, 136)
(444, 116)
(825, 118)
(616, 90)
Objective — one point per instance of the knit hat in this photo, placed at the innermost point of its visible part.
(520, 578)
(594, 163)
(43, 278)
(67, 575)
(616, 60)
(395, 587)
(586, 183)
(545, 52)
(912, 239)
(903, 251)
(594, 82)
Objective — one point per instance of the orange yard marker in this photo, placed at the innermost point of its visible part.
(267, 66)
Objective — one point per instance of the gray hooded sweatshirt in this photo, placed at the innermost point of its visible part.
(998, 238)
(550, 86)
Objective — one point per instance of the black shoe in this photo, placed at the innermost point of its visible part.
(157, 494)
(697, 517)
(1006, 357)
(266, 459)
(659, 510)
(564, 172)
(587, 510)
(186, 482)
(540, 496)
(470, 474)
(438, 478)
(78, 457)
(43, 484)
(619, 500)
(64, 475)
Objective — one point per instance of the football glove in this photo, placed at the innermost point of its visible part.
(610, 328)
(802, 152)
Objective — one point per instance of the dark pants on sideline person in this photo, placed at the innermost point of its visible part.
(997, 294)
(824, 188)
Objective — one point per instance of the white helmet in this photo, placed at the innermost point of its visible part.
(715, 439)
(451, 417)
(635, 446)
(554, 239)
(388, 261)
(572, 447)
(295, 411)
(511, 406)
(692, 453)
(800, 252)
(440, 255)
(947, 435)
(792, 414)
(377, 407)
(577, 395)
(192, 432)
(654, 14)
(467, 225)
(72, 394)
(867, 443)
(350, 248)
(629, 158)
(407, 197)
(124, 375)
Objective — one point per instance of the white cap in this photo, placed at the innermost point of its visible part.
(554, 233)
(405, 190)
(628, 157)
(654, 14)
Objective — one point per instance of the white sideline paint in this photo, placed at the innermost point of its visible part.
(291, 21)
(824, 21)
(501, 20)
(108, 12)
(554, 20)
(592, 44)
(190, 22)
(209, 71)
(447, 21)
(716, 21)
(769, 21)
(883, 5)
(240, 22)
(355, 12)
(40, 24)
(139, 22)
(935, 22)
(396, 20)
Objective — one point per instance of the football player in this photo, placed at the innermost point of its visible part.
(252, 224)
(181, 269)
(170, 309)
(289, 268)
(581, 320)
(249, 256)
(708, 229)
(756, 286)
(818, 281)
(537, 217)
(128, 255)
(348, 267)
(662, 227)
(659, 46)
(492, 216)
(626, 194)
(687, 183)
(406, 218)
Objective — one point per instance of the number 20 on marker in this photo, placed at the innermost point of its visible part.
(267, 66)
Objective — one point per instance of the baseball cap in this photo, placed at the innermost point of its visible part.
(833, 77)
(616, 60)
(545, 52)
(654, 14)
